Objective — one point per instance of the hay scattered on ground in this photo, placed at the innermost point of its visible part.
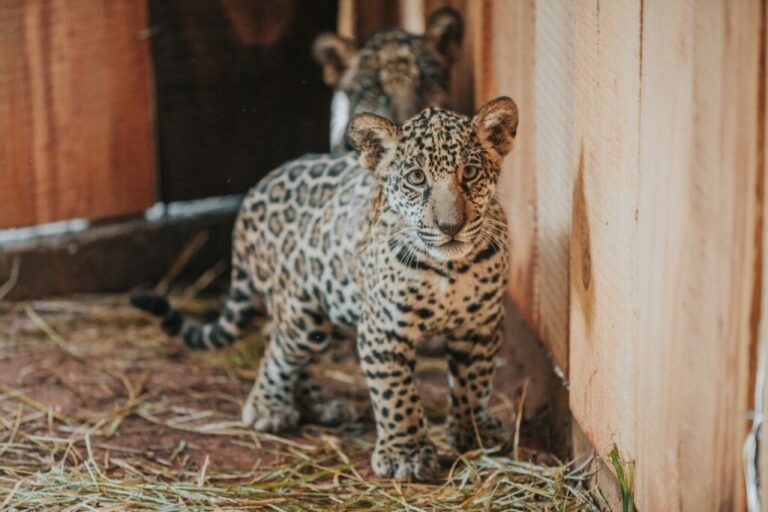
(98, 410)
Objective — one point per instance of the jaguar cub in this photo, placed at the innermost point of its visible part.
(394, 74)
(408, 243)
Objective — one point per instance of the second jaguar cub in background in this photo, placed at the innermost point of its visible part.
(408, 244)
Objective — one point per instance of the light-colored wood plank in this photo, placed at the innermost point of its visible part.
(663, 245)
(75, 110)
(606, 144)
(524, 50)
(346, 19)
(553, 167)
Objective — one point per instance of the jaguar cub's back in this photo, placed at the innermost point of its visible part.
(298, 232)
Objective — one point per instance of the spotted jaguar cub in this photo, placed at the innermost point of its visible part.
(406, 245)
(394, 74)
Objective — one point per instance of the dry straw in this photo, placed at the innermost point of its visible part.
(99, 451)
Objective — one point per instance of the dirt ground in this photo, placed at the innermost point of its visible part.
(90, 382)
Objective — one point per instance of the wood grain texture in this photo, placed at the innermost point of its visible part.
(524, 50)
(603, 236)
(553, 166)
(663, 240)
(75, 110)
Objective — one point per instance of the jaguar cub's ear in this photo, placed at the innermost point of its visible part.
(334, 53)
(445, 32)
(496, 125)
(375, 139)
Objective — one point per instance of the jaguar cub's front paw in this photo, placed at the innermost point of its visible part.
(489, 433)
(414, 459)
(274, 418)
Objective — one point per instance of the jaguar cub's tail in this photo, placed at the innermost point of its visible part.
(233, 318)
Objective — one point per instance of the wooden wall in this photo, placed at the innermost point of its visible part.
(663, 328)
(77, 136)
(107, 106)
(635, 193)
(635, 198)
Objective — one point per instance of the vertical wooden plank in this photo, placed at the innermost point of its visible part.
(525, 50)
(762, 438)
(345, 20)
(673, 198)
(75, 110)
(553, 165)
(663, 242)
(603, 235)
(697, 228)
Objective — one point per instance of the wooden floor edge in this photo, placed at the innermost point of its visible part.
(112, 256)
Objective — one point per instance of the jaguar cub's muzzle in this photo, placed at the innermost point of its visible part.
(449, 237)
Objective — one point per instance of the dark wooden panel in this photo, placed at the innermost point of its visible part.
(75, 110)
(237, 90)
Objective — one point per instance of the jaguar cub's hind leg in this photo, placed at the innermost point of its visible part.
(270, 406)
(316, 406)
(283, 391)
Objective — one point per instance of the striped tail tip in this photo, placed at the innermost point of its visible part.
(158, 306)
(152, 303)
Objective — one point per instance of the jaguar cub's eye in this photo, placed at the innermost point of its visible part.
(470, 172)
(416, 177)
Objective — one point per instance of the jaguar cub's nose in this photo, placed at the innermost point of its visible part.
(450, 228)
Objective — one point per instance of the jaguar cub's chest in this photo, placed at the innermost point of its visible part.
(428, 301)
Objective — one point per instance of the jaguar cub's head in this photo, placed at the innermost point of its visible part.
(395, 74)
(439, 171)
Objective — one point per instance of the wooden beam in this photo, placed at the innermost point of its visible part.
(114, 256)
(412, 15)
(606, 116)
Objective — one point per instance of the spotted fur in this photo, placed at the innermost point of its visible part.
(395, 74)
(407, 247)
